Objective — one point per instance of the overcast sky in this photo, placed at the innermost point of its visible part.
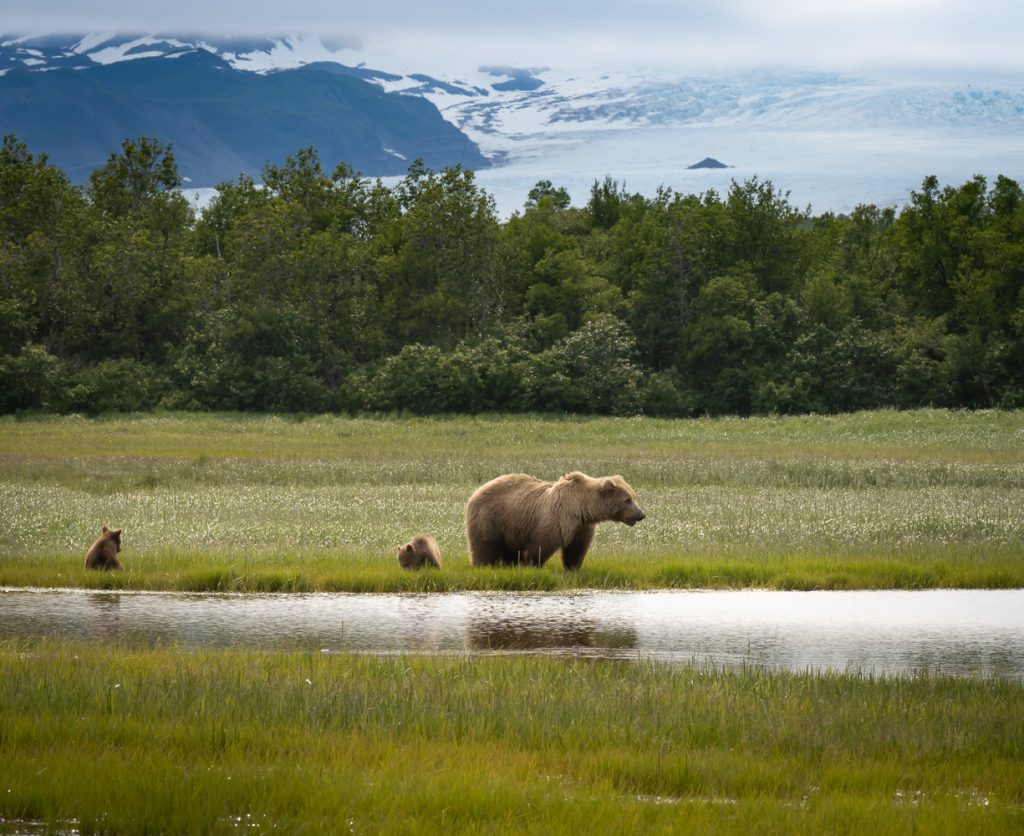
(955, 37)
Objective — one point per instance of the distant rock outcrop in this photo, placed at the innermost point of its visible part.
(708, 162)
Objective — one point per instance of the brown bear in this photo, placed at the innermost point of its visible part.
(421, 551)
(103, 553)
(517, 518)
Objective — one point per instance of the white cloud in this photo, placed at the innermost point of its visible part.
(955, 35)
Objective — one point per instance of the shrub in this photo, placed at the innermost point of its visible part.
(34, 379)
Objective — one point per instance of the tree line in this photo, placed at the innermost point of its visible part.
(323, 290)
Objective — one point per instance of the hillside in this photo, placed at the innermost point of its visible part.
(222, 121)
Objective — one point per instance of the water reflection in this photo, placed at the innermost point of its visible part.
(103, 616)
(963, 632)
(550, 623)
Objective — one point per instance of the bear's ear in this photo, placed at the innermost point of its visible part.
(408, 547)
(116, 532)
(105, 530)
(575, 476)
(608, 487)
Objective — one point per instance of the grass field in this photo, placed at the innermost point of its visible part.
(870, 500)
(128, 739)
(121, 740)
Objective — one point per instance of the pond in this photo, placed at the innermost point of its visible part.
(957, 632)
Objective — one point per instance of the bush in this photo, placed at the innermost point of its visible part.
(117, 386)
(34, 379)
(662, 397)
(421, 380)
(255, 361)
(599, 361)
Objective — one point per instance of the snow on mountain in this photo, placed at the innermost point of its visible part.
(509, 101)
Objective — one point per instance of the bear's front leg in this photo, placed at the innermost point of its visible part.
(576, 549)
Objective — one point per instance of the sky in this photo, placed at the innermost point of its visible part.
(954, 37)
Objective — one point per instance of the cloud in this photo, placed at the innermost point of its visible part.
(840, 34)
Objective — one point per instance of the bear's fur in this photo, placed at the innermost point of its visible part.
(519, 519)
(103, 553)
(421, 551)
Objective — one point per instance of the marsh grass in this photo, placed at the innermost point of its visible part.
(122, 739)
(880, 499)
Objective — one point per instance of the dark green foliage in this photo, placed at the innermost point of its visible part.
(117, 386)
(34, 379)
(545, 191)
(323, 290)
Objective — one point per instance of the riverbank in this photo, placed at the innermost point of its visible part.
(224, 571)
(118, 739)
(905, 500)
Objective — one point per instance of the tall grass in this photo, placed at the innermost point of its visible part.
(116, 739)
(871, 499)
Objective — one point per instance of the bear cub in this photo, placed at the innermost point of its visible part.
(103, 553)
(421, 551)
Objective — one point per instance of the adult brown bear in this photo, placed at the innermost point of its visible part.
(103, 553)
(517, 518)
(421, 551)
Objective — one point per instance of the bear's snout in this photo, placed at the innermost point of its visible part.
(635, 517)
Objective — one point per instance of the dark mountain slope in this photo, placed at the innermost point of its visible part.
(222, 121)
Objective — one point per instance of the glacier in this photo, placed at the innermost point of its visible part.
(831, 141)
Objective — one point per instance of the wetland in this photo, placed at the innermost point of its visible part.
(816, 629)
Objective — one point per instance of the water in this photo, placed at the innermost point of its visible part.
(957, 632)
(826, 170)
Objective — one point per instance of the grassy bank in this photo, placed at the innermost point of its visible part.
(871, 500)
(116, 739)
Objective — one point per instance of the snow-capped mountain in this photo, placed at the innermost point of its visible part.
(77, 98)
(510, 101)
(542, 122)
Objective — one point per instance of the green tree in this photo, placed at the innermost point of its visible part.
(605, 204)
(40, 219)
(665, 256)
(766, 233)
(135, 290)
(718, 342)
(567, 291)
(440, 280)
(544, 192)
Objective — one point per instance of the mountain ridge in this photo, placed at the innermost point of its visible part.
(221, 121)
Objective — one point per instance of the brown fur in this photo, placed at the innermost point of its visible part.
(103, 553)
(518, 519)
(421, 551)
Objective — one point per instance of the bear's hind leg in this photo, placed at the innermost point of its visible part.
(486, 552)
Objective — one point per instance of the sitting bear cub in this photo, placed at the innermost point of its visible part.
(103, 553)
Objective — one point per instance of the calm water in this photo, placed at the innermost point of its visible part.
(962, 632)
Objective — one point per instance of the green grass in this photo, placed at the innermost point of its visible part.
(122, 739)
(125, 739)
(871, 500)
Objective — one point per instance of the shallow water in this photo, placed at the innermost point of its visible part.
(958, 632)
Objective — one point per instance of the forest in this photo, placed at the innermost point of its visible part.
(315, 291)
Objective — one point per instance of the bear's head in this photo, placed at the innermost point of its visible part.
(114, 536)
(620, 501)
(408, 557)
